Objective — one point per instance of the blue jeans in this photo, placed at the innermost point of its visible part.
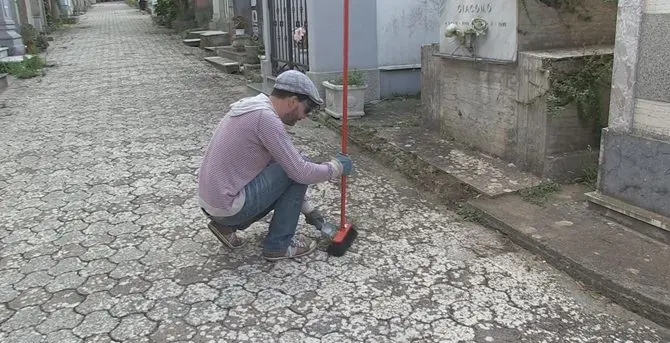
(271, 190)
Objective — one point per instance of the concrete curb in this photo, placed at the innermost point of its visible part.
(648, 307)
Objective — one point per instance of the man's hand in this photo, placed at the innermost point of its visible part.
(340, 165)
(345, 161)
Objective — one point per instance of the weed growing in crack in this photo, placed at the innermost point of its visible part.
(469, 214)
(539, 194)
(590, 177)
(27, 68)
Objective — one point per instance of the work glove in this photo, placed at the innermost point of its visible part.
(341, 165)
(345, 161)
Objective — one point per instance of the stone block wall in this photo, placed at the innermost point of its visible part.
(558, 145)
(589, 22)
(471, 102)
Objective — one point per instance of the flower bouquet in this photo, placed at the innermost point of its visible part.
(466, 34)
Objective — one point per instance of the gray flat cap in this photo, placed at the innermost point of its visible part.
(297, 82)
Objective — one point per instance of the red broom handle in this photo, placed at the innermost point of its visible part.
(345, 107)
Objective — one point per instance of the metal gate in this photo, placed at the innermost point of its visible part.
(287, 16)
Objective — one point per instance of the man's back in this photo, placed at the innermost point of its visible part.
(245, 141)
(234, 157)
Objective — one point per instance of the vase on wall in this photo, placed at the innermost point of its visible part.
(355, 100)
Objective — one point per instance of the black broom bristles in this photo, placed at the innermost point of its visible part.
(342, 241)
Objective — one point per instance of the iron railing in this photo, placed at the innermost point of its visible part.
(285, 17)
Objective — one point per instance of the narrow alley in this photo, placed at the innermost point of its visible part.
(102, 239)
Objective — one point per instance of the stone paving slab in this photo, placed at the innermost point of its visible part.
(101, 239)
(489, 176)
(224, 64)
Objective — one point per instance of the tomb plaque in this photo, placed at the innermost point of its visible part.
(499, 42)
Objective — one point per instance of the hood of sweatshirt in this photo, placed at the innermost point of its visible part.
(251, 104)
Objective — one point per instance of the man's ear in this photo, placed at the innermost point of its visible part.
(294, 101)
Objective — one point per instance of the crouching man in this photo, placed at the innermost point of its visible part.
(251, 167)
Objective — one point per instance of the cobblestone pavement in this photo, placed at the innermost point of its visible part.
(101, 239)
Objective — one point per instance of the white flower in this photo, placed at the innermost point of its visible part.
(480, 26)
(298, 34)
(451, 29)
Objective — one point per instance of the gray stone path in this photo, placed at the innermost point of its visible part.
(101, 239)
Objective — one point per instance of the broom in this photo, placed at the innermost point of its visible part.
(347, 233)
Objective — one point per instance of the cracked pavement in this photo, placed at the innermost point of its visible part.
(101, 239)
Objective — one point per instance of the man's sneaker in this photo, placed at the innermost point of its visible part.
(316, 219)
(300, 246)
(225, 235)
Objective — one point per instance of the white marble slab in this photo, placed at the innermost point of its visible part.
(657, 6)
(500, 42)
(15, 58)
(624, 74)
(652, 116)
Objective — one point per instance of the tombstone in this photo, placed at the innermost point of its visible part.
(39, 17)
(8, 29)
(489, 81)
(66, 8)
(495, 40)
(203, 12)
(256, 21)
(252, 10)
(31, 12)
(221, 14)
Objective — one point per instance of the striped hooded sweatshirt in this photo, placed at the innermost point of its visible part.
(246, 140)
